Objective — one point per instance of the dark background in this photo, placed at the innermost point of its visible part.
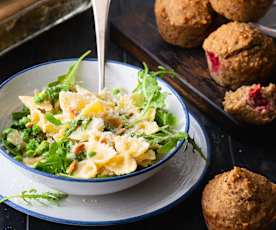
(71, 39)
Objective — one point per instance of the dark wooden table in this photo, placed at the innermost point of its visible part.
(256, 151)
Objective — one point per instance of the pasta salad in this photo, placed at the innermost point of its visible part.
(68, 130)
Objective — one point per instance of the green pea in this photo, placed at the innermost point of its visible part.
(35, 130)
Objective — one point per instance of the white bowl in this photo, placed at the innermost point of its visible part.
(117, 75)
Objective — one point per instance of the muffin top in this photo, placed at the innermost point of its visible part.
(241, 10)
(235, 37)
(240, 199)
(188, 12)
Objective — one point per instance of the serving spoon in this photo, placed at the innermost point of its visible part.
(101, 12)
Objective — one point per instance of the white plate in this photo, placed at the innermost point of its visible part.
(268, 23)
(171, 185)
(117, 75)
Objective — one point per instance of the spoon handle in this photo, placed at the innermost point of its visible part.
(101, 11)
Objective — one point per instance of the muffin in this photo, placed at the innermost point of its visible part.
(252, 104)
(183, 23)
(239, 200)
(241, 10)
(239, 54)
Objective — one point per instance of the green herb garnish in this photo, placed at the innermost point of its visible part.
(32, 194)
(55, 161)
(196, 148)
(116, 92)
(85, 123)
(16, 116)
(63, 83)
(91, 154)
(52, 119)
(12, 149)
(149, 91)
(165, 138)
(164, 117)
(73, 126)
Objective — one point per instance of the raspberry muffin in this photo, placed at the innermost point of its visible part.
(239, 200)
(239, 54)
(183, 23)
(241, 10)
(252, 104)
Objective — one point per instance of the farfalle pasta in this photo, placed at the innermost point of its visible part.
(68, 130)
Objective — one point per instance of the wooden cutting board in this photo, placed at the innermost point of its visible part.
(11, 7)
(136, 32)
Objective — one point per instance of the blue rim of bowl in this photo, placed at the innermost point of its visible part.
(127, 220)
(99, 180)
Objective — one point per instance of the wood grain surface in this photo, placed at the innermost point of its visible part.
(193, 81)
(11, 7)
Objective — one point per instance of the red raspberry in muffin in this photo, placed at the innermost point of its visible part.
(241, 10)
(238, 54)
(183, 23)
(252, 104)
(214, 61)
(256, 99)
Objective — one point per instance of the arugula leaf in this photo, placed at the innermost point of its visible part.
(137, 100)
(168, 146)
(85, 123)
(69, 78)
(170, 139)
(12, 149)
(165, 139)
(73, 126)
(52, 119)
(149, 89)
(6, 131)
(55, 160)
(196, 148)
(16, 116)
(164, 117)
(32, 194)
(116, 92)
(20, 119)
(63, 83)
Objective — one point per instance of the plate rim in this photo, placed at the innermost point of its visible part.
(131, 219)
(4, 153)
